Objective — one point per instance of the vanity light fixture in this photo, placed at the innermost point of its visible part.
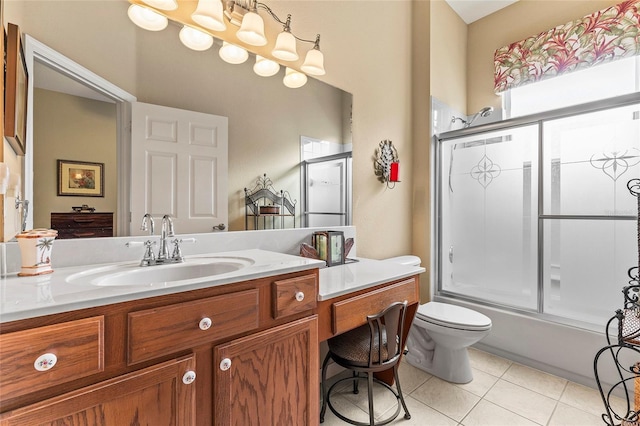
(233, 54)
(147, 18)
(285, 47)
(265, 67)
(210, 15)
(294, 79)
(195, 39)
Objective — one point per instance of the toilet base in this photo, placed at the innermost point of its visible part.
(451, 365)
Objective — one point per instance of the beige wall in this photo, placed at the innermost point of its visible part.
(420, 126)
(448, 45)
(522, 19)
(75, 129)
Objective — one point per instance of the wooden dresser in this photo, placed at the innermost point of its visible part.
(82, 225)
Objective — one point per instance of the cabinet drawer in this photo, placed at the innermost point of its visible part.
(162, 331)
(85, 233)
(352, 312)
(294, 295)
(74, 348)
(81, 220)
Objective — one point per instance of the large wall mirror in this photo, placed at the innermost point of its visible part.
(267, 121)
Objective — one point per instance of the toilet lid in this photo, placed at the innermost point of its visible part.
(453, 316)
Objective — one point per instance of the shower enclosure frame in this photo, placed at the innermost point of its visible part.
(346, 213)
(535, 119)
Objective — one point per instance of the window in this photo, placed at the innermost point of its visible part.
(603, 81)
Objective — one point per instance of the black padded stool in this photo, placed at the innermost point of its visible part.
(360, 351)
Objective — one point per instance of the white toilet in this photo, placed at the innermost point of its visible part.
(439, 338)
(440, 335)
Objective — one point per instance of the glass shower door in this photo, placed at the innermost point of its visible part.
(326, 197)
(488, 217)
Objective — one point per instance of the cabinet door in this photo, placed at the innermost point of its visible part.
(155, 396)
(269, 378)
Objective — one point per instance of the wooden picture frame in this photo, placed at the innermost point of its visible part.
(16, 84)
(80, 179)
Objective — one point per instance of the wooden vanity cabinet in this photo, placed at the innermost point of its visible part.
(152, 396)
(253, 361)
(269, 378)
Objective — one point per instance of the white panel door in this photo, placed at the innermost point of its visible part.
(179, 167)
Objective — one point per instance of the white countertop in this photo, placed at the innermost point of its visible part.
(28, 297)
(343, 279)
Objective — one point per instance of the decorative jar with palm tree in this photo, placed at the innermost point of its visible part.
(35, 249)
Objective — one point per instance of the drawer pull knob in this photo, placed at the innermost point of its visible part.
(189, 377)
(225, 364)
(45, 362)
(205, 323)
(299, 296)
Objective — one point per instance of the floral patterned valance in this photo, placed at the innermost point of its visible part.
(604, 36)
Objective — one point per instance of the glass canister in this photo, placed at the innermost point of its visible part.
(35, 250)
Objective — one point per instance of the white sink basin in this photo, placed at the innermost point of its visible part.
(149, 276)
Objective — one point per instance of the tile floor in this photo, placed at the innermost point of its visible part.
(502, 393)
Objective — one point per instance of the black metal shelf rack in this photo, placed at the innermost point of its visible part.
(624, 351)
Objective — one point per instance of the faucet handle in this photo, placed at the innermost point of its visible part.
(177, 252)
(149, 257)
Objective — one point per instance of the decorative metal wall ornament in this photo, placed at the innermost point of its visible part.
(386, 156)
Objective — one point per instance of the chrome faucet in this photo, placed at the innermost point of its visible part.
(167, 232)
(147, 221)
(147, 224)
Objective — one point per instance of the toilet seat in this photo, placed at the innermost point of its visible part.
(452, 316)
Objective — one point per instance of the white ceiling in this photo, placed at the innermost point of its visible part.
(472, 10)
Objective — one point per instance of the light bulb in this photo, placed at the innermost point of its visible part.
(233, 54)
(265, 67)
(252, 30)
(294, 79)
(195, 39)
(146, 18)
(209, 15)
(285, 47)
(314, 62)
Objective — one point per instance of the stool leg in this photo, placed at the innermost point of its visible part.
(370, 395)
(407, 415)
(355, 382)
(323, 387)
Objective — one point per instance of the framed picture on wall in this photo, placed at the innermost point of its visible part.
(80, 178)
(16, 83)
